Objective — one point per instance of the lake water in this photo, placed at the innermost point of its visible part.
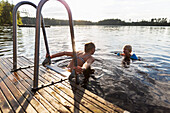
(143, 87)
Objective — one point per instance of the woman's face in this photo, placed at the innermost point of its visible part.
(92, 50)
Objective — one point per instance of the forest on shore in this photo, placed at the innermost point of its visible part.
(54, 22)
(6, 10)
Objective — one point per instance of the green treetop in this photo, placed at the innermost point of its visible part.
(6, 10)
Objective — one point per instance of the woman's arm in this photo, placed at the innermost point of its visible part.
(86, 65)
(62, 54)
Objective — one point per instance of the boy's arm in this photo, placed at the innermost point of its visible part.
(62, 54)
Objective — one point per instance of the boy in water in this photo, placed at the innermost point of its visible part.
(84, 59)
(127, 49)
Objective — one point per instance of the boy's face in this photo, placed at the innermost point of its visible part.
(126, 51)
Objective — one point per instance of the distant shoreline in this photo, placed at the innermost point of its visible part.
(30, 25)
(92, 25)
(84, 25)
(55, 22)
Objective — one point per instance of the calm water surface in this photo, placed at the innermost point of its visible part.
(143, 87)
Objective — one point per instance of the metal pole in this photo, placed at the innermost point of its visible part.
(45, 36)
(37, 44)
(15, 31)
(72, 32)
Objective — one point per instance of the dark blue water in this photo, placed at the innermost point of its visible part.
(143, 87)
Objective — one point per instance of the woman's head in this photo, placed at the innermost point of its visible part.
(89, 47)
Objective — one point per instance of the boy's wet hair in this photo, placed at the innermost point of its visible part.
(88, 46)
(129, 47)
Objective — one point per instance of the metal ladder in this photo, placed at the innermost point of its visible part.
(39, 19)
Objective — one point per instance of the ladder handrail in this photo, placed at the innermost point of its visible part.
(15, 31)
(37, 39)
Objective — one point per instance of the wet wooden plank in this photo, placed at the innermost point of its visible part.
(4, 105)
(19, 97)
(38, 96)
(37, 105)
(45, 94)
(11, 99)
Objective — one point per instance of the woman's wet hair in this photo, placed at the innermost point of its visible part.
(88, 46)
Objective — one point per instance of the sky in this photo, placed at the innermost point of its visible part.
(96, 10)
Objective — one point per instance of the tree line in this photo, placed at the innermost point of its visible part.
(6, 10)
(53, 22)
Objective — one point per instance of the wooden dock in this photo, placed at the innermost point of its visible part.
(16, 93)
